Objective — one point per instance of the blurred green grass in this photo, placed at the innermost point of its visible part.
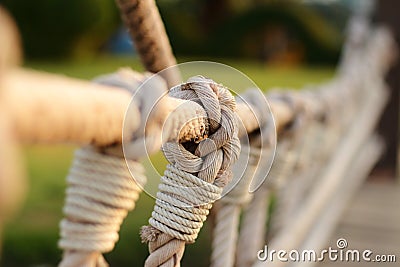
(30, 239)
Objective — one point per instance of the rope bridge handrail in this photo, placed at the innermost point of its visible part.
(25, 91)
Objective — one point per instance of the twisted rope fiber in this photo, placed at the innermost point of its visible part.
(253, 228)
(310, 153)
(289, 189)
(101, 191)
(193, 181)
(252, 236)
(236, 194)
(228, 211)
(290, 195)
(150, 38)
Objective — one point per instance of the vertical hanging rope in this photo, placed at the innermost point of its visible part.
(150, 38)
(195, 176)
(253, 228)
(228, 209)
(289, 195)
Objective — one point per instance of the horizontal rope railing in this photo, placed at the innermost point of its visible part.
(50, 108)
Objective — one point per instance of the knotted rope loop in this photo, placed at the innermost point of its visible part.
(198, 170)
(220, 143)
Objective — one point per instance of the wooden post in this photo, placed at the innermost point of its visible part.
(12, 178)
(388, 128)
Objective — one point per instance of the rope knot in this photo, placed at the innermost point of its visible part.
(209, 156)
(182, 204)
(199, 169)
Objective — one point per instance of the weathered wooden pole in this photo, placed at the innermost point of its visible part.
(388, 128)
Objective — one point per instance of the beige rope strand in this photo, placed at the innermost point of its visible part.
(228, 209)
(150, 38)
(253, 230)
(69, 110)
(48, 108)
(236, 193)
(225, 234)
(101, 192)
(184, 200)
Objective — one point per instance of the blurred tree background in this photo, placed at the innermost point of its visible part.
(61, 29)
(285, 31)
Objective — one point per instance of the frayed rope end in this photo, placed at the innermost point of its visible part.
(149, 234)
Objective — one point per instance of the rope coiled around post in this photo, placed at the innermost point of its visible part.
(101, 192)
(103, 185)
(197, 172)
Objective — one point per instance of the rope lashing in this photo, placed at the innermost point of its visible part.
(102, 185)
(197, 172)
(147, 91)
(227, 210)
(101, 192)
(237, 192)
(253, 228)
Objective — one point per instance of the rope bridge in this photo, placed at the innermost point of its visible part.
(326, 145)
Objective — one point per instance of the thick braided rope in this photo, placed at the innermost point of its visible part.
(101, 192)
(253, 231)
(253, 228)
(228, 208)
(150, 38)
(290, 194)
(193, 181)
